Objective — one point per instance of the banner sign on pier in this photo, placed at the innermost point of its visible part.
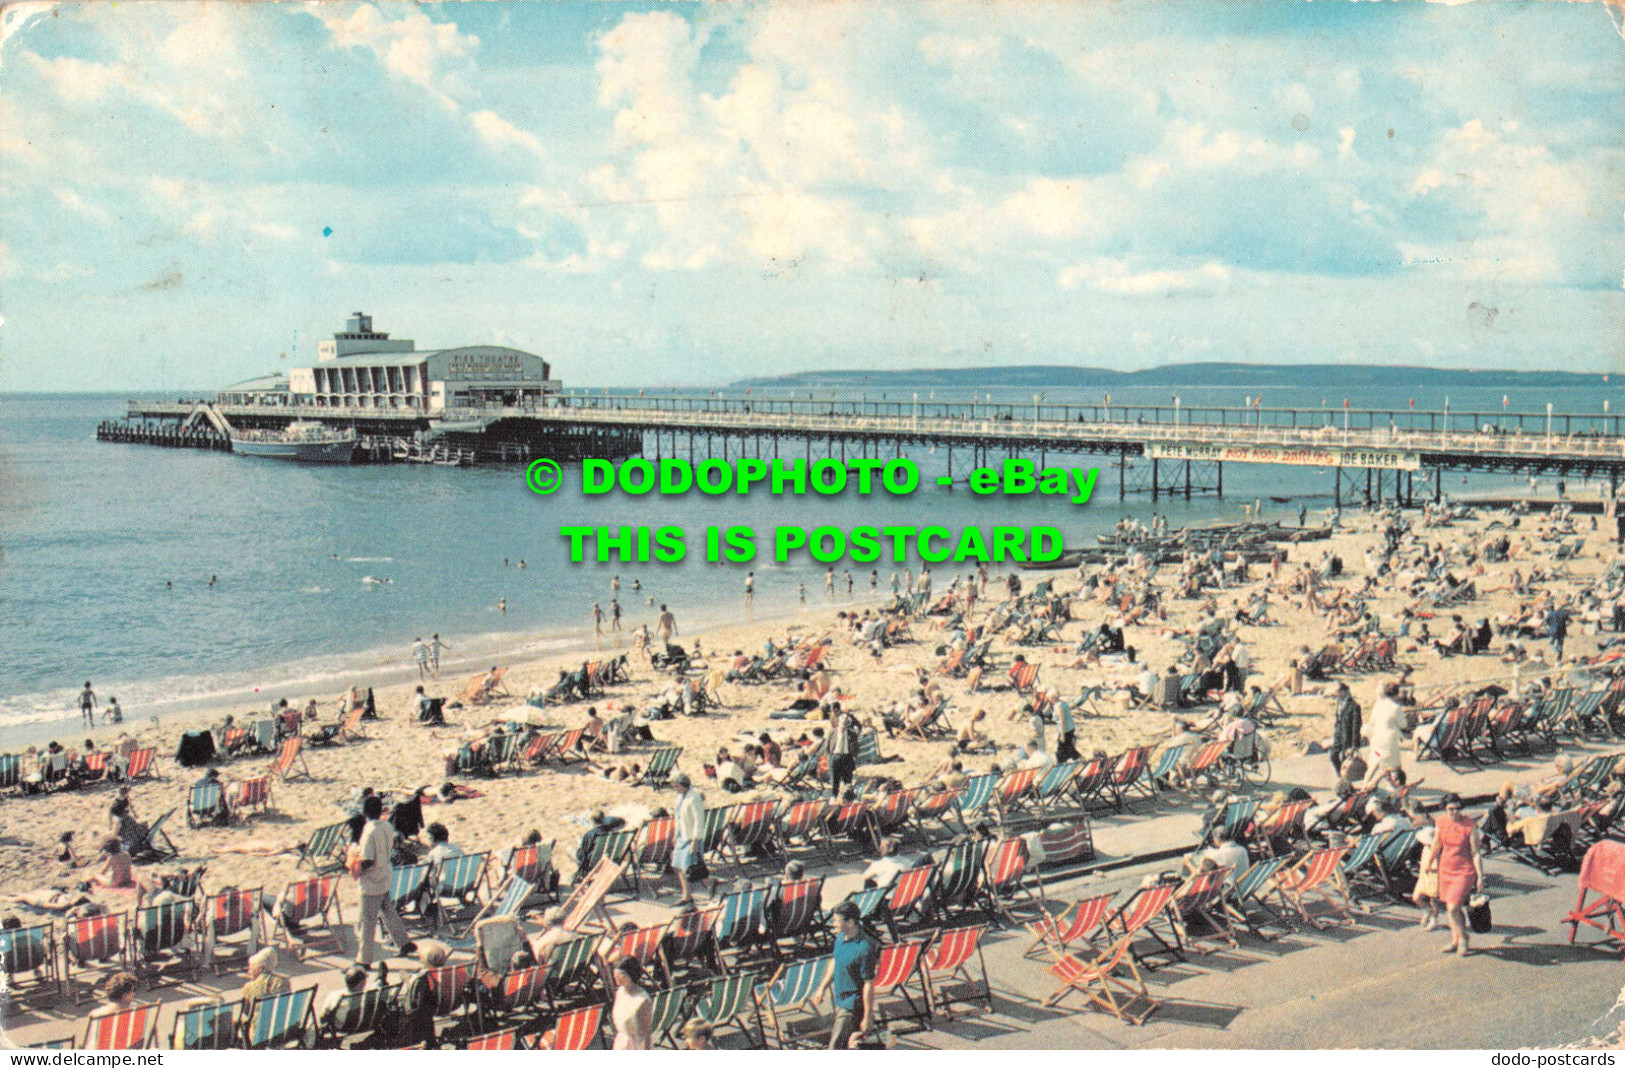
(1304, 456)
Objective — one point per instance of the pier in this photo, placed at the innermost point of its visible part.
(1163, 450)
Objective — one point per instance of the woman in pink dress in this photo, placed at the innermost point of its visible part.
(1457, 856)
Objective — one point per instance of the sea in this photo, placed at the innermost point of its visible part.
(179, 579)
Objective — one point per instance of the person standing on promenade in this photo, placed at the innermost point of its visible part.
(633, 1011)
(420, 657)
(87, 704)
(1457, 856)
(685, 856)
(374, 878)
(853, 979)
(1346, 729)
(436, 647)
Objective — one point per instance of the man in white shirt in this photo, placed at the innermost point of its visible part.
(690, 829)
(377, 842)
(1225, 852)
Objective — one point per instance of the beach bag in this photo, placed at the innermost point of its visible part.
(1478, 914)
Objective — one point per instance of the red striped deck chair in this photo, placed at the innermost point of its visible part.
(520, 993)
(133, 1028)
(1080, 922)
(1276, 833)
(901, 964)
(1137, 914)
(225, 915)
(1100, 980)
(575, 1030)
(652, 851)
(253, 796)
(690, 942)
(792, 912)
(1198, 911)
(1204, 764)
(792, 995)
(949, 665)
(948, 963)
(506, 1041)
(1315, 877)
(908, 897)
(233, 740)
(800, 823)
(534, 864)
(292, 755)
(449, 989)
(642, 945)
(141, 764)
(306, 900)
(850, 821)
(95, 944)
(569, 750)
(1066, 844)
(891, 811)
(540, 748)
(1006, 868)
(936, 805)
(586, 900)
(1602, 892)
(750, 830)
(95, 765)
(1023, 675)
(350, 729)
(1129, 773)
(1014, 791)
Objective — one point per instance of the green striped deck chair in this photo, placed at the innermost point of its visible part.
(406, 886)
(500, 751)
(355, 1015)
(571, 970)
(11, 771)
(30, 953)
(55, 1043)
(281, 1021)
(324, 852)
(868, 749)
(1360, 866)
(662, 762)
(792, 996)
(202, 802)
(714, 834)
(975, 794)
(206, 1027)
(612, 847)
(157, 930)
(461, 877)
(959, 877)
(507, 904)
(670, 1010)
(1236, 816)
(729, 1002)
(744, 915)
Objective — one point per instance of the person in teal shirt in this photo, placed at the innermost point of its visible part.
(853, 979)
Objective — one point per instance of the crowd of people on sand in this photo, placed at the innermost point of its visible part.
(1188, 652)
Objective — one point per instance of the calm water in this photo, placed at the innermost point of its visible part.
(108, 551)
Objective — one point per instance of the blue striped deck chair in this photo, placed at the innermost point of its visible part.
(1236, 816)
(205, 1027)
(958, 882)
(1554, 710)
(1360, 865)
(729, 1002)
(868, 749)
(281, 1021)
(869, 902)
(571, 969)
(1056, 782)
(203, 800)
(975, 795)
(55, 1043)
(157, 930)
(1393, 861)
(670, 1011)
(1168, 762)
(1583, 709)
(657, 772)
(406, 886)
(714, 834)
(324, 852)
(1252, 891)
(30, 952)
(790, 994)
(507, 904)
(744, 915)
(460, 878)
(354, 1015)
(11, 771)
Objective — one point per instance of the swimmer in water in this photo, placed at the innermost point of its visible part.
(212, 581)
(521, 565)
(372, 581)
(502, 606)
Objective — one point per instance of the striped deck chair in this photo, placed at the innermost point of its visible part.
(1237, 814)
(948, 962)
(55, 1043)
(539, 748)
(1023, 676)
(253, 797)
(742, 920)
(849, 821)
(1055, 784)
(1079, 922)
(976, 795)
(1092, 785)
(133, 1028)
(291, 756)
(203, 800)
(1130, 771)
(714, 830)
(569, 749)
(571, 971)
(262, 735)
(792, 912)
(1198, 911)
(95, 766)
(307, 900)
(1360, 866)
(1165, 773)
(869, 901)
(642, 945)
(1006, 869)
(1252, 892)
(233, 739)
(506, 1041)
(1276, 834)
(1315, 876)
(406, 885)
(690, 942)
(652, 852)
(281, 1021)
(1015, 791)
(96, 944)
(225, 915)
(11, 771)
(792, 995)
(662, 762)
(1100, 980)
(1068, 843)
(520, 994)
(908, 897)
(750, 830)
(534, 864)
(729, 1002)
(350, 730)
(1445, 742)
(155, 934)
(891, 811)
(154, 845)
(1138, 914)
(142, 763)
(206, 1027)
(451, 992)
(670, 1010)
(868, 750)
(500, 752)
(586, 899)
(900, 964)
(936, 805)
(462, 879)
(28, 954)
(616, 847)
(356, 1014)
(1205, 763)
(959, 877)
(508, 903)
(1394, 864)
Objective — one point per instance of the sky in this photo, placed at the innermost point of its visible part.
(685, 194)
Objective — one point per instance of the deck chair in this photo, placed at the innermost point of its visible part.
(203, 801)
(791, 995)
(28, 956)
(900, 964)
(290, 761)
(908, 897)
(958, 882)
(670, 1011)
(520, 995)
(1139, 913)
(154, 844)
(791, 914)
(729, 1002)
(948, 962)
(849, 821)
(253, 797)
(534, 864)
(936, 805)
(1314, 877)
(1395, 864)
(505, 1041)
(451, 993)
(571, 971)
(141, 765)
(308, 899)
(281, 1021)
(653, 848)
(1014, 792)
(742, 921)
(974, 796)
(133, 1028)
(1360, 866)
(93, 944)
(1276, 833)
(750, 830)
(1078, 923)
(662, 762)
(891, 811)
(156, 934)
(690, 941)
(225, 915)
(1051, 790)
(1023, 676)
(1250, 894)
(1102, 984)
(356, 1014)
(586, 900)
(1006, 869)
(1198, 911)
(462, 879)
(1548, 841)
(406, 887)
(205, 1027)
(1130, 771)
(642, 944)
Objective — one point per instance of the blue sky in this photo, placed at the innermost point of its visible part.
(685, 194)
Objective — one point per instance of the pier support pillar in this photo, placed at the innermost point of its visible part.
(1122, 475)
(1187, 480)
(1153, 478)
(1220, 489)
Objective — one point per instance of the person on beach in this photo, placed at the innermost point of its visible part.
(615, 615)
(436, 647)
(666, 625)
(420, 657)
(597, 619)
(1346, 726)
(852, 979)
(750, 586)
(633, 1011)
(87, 704)
(690, 831)
(373, 877)
(1456, 857)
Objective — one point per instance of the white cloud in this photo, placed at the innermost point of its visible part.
(414, 46)
(499, 133)
(1117, 277)
(77, 204)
